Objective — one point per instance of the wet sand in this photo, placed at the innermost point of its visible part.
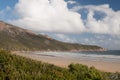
(64, 62)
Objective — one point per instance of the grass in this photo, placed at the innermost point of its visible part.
(13, 67)
(18, 39)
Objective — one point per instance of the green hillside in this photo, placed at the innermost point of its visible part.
(14, 67)
(15, 38)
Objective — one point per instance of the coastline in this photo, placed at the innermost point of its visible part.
(64, 62)
(81, 50)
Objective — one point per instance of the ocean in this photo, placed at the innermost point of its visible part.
(105, 56)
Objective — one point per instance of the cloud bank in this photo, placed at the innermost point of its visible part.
(55, 16)
(64, 38)
(48, 15)
(110, 24)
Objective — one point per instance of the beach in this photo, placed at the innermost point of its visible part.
(65, 61)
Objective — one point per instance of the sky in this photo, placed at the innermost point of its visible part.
(93, 22)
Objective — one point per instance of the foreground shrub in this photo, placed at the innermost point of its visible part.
(14, 67)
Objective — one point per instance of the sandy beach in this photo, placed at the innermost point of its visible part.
(64, 62)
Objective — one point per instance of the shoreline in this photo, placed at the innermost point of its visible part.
(64, 62)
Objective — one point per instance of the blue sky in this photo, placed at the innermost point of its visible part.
(4, 3)
(113, 3)
(94, 22)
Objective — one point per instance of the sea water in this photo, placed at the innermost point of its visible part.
(105, 56)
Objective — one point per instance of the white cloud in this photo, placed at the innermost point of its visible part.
(71, 2)
(48, 15)
(86, 39)
(64, 38)
(54, 16)
(110, 24)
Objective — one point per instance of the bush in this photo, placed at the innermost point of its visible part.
(14, 67)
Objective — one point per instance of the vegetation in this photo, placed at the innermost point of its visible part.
(15, 38)
(14, 67)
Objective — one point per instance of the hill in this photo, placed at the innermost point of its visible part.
(13, 67)
(15, 38)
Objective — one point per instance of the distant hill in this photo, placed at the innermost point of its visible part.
(16, 39)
